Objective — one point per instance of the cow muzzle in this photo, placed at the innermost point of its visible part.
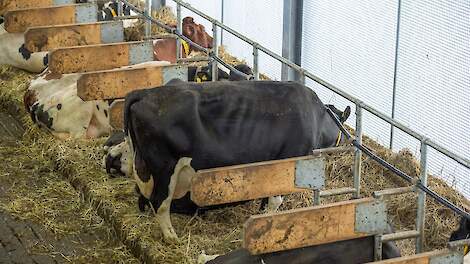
(113, 165)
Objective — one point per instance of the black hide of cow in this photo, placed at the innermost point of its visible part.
(344, 252)
(463, 232)
(221, 124)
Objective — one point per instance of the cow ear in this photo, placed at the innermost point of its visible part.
(346, 114)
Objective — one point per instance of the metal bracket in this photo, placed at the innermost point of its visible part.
(454, 257)
(112, 32)
(86, 13)
(371, 218)
(140, 52)
(175, 72)
(310, 173)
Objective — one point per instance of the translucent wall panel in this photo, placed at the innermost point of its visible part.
(260, 20)
(433, 80)
(351, 44)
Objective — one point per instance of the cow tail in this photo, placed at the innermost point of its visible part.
(130, 100)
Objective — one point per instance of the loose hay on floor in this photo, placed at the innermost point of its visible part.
(218, 231)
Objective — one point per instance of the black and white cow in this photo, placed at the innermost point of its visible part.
(182, 127)
(54, 105)
(13, 51)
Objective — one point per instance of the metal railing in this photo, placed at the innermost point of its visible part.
(421, 184)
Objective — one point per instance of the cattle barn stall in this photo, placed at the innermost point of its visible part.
(414, 185)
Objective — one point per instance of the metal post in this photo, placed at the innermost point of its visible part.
(119, 8)
(397, 39)
(316, 197)
(178, 29)
(215, 51)
(222, 20)
(358, 153)
(292, 37)
(420, 219)
(255, 62)
(378, 247)
(148, 23)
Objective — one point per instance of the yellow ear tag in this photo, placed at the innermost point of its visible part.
(198, 80)
(113, 12)
(185, 47)
(465, 250)
(204, 77)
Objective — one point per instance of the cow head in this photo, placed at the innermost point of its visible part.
(463, 232)
(196, 33)
(333, 136)
(118, 158)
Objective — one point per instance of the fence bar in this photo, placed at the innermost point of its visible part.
(395, 69)
(400, 235)
(338, 191)
(393, 191)
(420, 220)
(398, 172)
(316, 197)
(255, 62)
(148, 24)
(215, 51)
(178, 30)
(378, 247)
(358, 152)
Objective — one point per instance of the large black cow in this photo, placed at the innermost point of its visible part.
(342, 252)
(182, 127)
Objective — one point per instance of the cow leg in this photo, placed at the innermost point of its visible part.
(273, 203)
(163, 212)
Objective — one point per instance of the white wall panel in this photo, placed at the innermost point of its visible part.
(261, 21)
(433, 80)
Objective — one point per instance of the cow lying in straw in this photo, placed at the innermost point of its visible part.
(182, 127)
(53, 104)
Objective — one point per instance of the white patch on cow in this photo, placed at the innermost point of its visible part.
(71, 116)
(466, 259)
(273, 203)
(10, 44)
(183, 185)
(163, 212)
(203, 258)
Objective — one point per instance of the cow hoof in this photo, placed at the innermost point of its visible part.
(203, 258)
(142, 203)
(171, 237)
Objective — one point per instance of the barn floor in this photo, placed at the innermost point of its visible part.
(43, 219)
